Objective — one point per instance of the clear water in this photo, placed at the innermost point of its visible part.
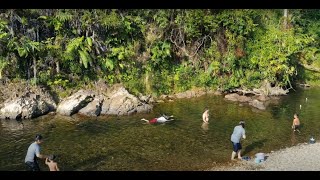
(127, 143)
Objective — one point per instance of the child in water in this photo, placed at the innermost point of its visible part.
(205, 115)
(296, 122)
(50, 161)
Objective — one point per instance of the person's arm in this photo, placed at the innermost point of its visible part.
(38, 153)
(207, 117)
(41, 156)
(244, 134)
(293, 123)
(46, 161)
(57, 167)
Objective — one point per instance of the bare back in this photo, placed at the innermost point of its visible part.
(53, 166)
(205, 116)
(296, 121)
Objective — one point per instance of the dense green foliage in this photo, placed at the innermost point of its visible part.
(159, 51)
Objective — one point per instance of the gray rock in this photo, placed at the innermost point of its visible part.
(93, 108)
(74, 103)
(24, 107)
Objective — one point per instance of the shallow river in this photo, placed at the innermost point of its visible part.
(127, 143)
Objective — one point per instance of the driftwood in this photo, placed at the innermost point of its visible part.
(245, 92)
(310, 67)
(303, 85)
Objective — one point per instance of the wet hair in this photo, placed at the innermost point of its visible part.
(242, 123)
(52, 157)
(38, 137)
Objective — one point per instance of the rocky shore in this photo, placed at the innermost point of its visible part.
(302, 157)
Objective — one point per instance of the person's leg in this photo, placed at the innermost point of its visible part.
(36, 166)
(32, 166)
(29, 166)
(239, 154)
(233, 155)
(235, 149)
(239, 150)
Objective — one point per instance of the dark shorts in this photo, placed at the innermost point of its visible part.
(236, 146)
(296, 127)
(32, 166)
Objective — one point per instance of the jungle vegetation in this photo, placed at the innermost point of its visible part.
(160, 51)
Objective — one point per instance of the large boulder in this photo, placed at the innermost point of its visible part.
(268, 90)
(237, 97)
(190, 94)
(118, 101)
(93, 108)
(74, 103)
(24, 107)
(255, 101)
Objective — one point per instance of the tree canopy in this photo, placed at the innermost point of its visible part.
(160, 51)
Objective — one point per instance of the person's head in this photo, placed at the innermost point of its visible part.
(295, 115)
(242, 123)
(206, 109)
(38, 138)
(52, 157)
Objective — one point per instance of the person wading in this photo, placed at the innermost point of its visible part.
(34, 153)
(238, 133)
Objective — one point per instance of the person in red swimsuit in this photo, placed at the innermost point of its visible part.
(153, 121)
(161, 119)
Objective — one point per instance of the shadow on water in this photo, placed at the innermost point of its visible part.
(254, 145)
(92, 163)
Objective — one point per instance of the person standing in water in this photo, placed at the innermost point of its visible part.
(238, 132)
(296, 122)
(205, 115)
(34, 153)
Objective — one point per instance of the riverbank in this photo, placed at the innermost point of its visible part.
(302, 157)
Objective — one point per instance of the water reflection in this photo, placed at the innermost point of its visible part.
(12, 125)
(125, 143)
(293, 138)
(205, 126)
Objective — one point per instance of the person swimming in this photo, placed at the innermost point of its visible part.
(161, 119)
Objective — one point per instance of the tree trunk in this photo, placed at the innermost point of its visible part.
(35, 71)
(58, 67)
(285, 21)
(147, 84)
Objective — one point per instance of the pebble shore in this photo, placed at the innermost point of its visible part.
(302, 157)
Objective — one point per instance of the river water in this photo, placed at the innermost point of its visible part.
(128, 144)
